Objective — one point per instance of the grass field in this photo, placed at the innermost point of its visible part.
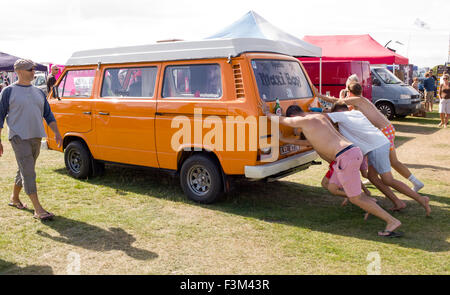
(138, 222)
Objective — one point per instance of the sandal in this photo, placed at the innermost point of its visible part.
(390, 234)
(44, 216)
(19, 205)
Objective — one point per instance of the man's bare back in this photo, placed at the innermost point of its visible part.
(320, 133)
(368, 109)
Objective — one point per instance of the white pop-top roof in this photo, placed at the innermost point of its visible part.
(180, 50)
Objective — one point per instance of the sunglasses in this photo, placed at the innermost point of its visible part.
(32, 69)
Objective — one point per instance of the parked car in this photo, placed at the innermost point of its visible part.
(40, 81)
(188, 108)
(391, 96)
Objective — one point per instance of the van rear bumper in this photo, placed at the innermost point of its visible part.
(263, 171)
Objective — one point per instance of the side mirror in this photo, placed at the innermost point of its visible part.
(376, 82)
(55, 93)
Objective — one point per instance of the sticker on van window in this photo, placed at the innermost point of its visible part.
(254, 65)
(289, 93)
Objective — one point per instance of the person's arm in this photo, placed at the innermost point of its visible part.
(349, 100)
(4, 108)
(326, 98)
(296, 141)
(55, 130)
(51, 122)
(287, 121)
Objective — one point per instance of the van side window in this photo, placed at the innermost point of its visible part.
(194, 81)
(77, 83)
(129, 82)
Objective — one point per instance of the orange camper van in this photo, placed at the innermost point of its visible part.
(189, 108)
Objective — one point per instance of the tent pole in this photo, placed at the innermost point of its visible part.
(320, 76)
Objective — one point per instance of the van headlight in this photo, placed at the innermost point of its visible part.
(405, 96)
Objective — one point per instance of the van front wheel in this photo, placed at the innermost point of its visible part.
(77, 159)
(386, 109)
(201, 179)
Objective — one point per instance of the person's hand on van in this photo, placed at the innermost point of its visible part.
(265, 108)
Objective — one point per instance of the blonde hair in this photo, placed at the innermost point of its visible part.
(352, 78)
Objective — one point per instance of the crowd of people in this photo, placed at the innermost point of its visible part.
(430, 91)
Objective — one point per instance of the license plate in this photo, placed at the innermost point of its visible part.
(289, 148)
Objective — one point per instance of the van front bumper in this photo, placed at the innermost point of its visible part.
(406, 109)
(284, 165)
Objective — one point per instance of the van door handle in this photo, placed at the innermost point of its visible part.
(103, 113)
(87, 113)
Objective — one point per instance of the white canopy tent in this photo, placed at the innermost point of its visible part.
(252, 25)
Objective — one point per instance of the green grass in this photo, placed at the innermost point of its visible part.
(136, 221)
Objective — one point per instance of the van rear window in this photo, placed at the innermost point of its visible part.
(129, 82)
(193, 81)
(281, 79)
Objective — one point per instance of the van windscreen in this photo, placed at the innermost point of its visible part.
(387, 76)
(280, 79)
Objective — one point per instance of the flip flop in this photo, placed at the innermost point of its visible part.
(391, 234)
(45, 216)
(19, 205)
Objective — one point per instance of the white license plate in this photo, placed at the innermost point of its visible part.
(289, 148)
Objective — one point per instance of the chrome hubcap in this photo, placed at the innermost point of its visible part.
(199, 180)
(385, 110)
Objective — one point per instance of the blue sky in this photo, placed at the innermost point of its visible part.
(50, 30)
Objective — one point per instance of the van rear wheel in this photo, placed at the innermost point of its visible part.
(386, 109)
(77, 159)
(201, 179)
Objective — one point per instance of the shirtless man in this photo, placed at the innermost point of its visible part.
(354, 126)
(330, 145)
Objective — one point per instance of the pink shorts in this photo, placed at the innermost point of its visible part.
(347, 172)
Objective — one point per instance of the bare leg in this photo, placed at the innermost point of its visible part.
(371, 207)
(398, 166)
(446, 120)
(365, 190)
(36, 204)
(442, 115)
(15, 195)
(373, 177)
(401, 187)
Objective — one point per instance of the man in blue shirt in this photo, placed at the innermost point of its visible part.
(429, 87)
(24, 106)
